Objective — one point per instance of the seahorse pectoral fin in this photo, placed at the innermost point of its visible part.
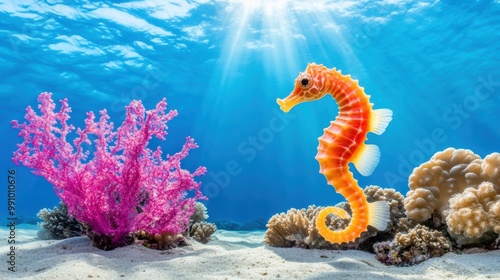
(379, 214)
(380, 120)
(366, 159)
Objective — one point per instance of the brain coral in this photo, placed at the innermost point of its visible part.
(475, 211)
(433, 183)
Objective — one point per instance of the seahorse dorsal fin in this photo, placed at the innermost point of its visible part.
(366, 159)
(379, 215)
(379, 121)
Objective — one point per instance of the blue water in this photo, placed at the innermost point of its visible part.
(222, 64)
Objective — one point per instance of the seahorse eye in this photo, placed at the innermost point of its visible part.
(304, 82)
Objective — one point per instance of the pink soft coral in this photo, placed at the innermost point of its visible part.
(124, 186)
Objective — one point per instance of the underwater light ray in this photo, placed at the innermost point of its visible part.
(238, 32)
(334, 46)
(284, 35)
(251, 31)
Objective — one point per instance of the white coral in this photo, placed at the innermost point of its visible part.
(475, 211)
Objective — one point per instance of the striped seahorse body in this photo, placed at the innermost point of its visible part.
(343, 142)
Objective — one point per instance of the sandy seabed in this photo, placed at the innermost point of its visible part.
(231, 255)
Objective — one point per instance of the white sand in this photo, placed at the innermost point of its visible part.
(233, 255)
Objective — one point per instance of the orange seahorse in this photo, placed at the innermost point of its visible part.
(341, 143)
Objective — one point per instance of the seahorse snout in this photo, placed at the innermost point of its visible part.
(283, 105)
(290, 101)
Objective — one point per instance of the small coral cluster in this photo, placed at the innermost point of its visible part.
(199, 229)
(454, 201)
(475, 212)
(417, 245)
(296, 228)
(58, 224)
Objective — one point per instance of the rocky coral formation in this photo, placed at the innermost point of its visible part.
(290, 229)
(416, 246)
(297, 228)
(474, 213)
(58, 224)
(404, 225)
(445, 191)
(201, 231)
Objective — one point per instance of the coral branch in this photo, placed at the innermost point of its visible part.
(124, 187)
